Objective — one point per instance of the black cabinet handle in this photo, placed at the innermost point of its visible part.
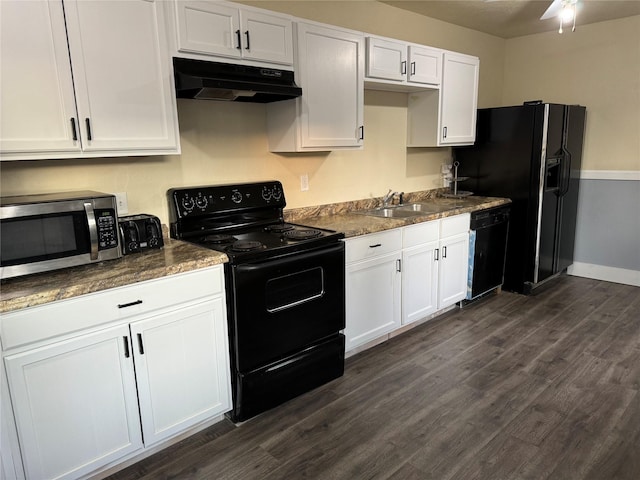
(375, 246)
(239, 39)
(403, 67)
(127, 354)
(130, 304)
(444, 132)
(88, 122)
(74, 131)
(361, 132)
(398, 265)
(413, 68)
(248, 47)
(444, 252)
(140, 345)
(436, 253)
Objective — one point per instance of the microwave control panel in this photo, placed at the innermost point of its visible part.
(107, 228)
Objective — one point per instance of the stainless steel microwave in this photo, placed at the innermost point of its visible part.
(56, 230)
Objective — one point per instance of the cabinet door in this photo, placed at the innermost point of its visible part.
(37, 106)
(266, 38)
(459, 99)
(386, 59)
(419, 282)
(121, 75)
(453, 269)
(75, 404)
(425, 65)
(331, 68)
(182, 368)
(208, 27)
(372, 299)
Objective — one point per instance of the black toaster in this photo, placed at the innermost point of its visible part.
(140, 232)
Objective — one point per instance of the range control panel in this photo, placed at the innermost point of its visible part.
(216, 199)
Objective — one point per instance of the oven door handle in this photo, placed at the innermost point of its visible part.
(93, 229)
(296, 303)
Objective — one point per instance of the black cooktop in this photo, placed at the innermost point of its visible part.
(244, 221)
(266, 241)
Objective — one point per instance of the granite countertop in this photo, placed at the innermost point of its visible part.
(175, 257)
(342, 217)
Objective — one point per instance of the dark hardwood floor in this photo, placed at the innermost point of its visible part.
(513, 387)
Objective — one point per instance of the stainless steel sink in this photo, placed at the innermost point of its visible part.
(423, 208)
(389, 212)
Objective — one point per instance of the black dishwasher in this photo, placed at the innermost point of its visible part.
(487, 250)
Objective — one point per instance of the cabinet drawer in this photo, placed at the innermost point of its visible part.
(373, 245)
(92, 310)
(420, 233)
(455, 225)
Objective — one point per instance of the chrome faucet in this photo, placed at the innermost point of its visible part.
(388, 198)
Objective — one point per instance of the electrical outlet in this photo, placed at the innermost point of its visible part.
(304, 182)
(122, 204)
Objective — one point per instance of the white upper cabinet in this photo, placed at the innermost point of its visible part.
(227, 30)
(37, 104)
(121, 100)
(446, 117)
(395, 65)
(330, 70)
(124, 89)
(425, 65)
(386, 59)
(459, 99)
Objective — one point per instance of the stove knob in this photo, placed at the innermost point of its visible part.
(188, 203)
(277, 193)
(266, 194)
(202, 202)
(236, 197)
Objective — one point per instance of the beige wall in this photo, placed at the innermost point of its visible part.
(598, 66)
(226, 142)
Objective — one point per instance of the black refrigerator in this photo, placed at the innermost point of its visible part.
(531, 154)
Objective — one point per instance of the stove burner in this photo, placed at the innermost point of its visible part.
(246, 246)
(302, 234)
(281, 228)
(219, 238)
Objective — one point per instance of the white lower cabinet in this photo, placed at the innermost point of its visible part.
(77, 403)
(419, 271)
(454, 259)
(435, 258)
(373, 281)
(182, 372)
(403, 275)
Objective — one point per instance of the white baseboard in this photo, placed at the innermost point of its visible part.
(610, 175)
(609, 274)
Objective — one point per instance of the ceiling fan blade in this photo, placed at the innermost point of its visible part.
(554, 10)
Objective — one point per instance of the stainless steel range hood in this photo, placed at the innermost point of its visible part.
(225, 81)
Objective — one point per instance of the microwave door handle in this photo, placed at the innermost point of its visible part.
(93, 229)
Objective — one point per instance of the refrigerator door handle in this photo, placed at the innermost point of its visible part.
(566, 163)
(566, 173)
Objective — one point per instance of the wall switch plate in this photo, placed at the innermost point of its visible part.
(304, 182)
(122, 204)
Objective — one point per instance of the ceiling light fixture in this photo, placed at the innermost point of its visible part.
(564, 10)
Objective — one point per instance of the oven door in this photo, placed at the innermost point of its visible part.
(280, 306)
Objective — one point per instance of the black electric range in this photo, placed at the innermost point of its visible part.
(285, 290)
